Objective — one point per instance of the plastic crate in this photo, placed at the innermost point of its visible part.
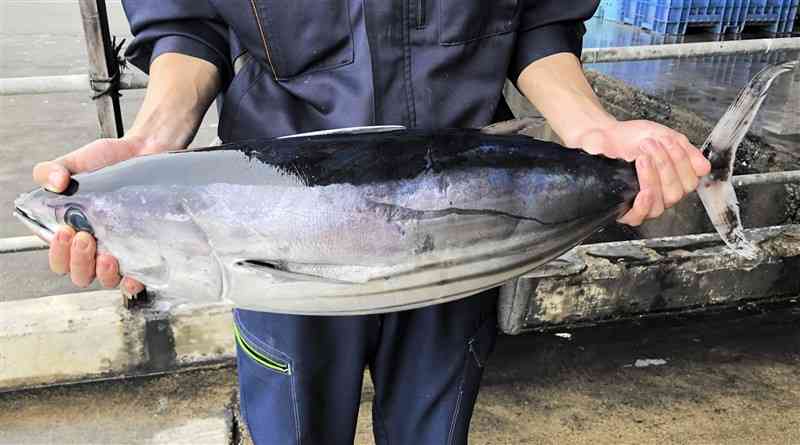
(610, 10)
(721, 16)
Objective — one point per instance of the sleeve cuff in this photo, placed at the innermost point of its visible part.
(193, 46)
(540, 42)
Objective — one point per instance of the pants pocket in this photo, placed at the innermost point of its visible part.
(266, 395)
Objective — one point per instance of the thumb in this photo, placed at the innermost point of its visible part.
(54, 175)
(51, 175)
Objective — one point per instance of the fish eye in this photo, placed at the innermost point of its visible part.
(75, 218)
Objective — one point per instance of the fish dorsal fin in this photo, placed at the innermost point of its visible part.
(527, 126)
(348, 130)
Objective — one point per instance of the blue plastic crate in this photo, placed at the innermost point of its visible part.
(774, 16)
(610, 10)
(721, 16)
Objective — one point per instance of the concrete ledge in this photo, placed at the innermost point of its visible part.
(86, 336)
(608, 281)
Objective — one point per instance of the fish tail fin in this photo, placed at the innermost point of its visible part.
(715, 189)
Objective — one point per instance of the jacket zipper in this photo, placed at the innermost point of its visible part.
(258, 357)
(420, 14)
(264, 38)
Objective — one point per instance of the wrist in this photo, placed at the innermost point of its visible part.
(585, 126)
(163, 131)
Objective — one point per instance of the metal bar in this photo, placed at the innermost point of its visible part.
(75, 83)
(29, 243)
(681, 50)
(103, 67)
(21, 244)
(786, 177)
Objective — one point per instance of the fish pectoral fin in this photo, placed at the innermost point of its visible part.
(348, 130)
(279, 272)
(526, 126)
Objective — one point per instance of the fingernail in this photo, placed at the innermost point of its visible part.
(53, 179)
(63, 237)
(81, 244)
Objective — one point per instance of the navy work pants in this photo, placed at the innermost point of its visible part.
(300, 377)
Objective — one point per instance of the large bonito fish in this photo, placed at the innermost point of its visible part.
(349, 221)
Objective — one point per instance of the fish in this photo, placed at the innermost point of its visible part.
(341, 222)
(347, 221)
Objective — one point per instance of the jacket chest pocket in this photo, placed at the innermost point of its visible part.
(303, 36)
(464, 21)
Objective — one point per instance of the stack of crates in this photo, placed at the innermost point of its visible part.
(720, 16)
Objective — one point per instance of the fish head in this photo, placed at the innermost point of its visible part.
(148, 229)
(43, 212)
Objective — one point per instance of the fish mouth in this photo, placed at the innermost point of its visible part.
(36, 227)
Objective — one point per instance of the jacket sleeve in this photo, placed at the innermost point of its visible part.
(190, 27)
(549, 27)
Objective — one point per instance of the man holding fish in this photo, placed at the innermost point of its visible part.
(278, 68)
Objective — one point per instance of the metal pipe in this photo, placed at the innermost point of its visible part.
(785, 177)
(681, 50)
(21, 244)
(75, 83)
(30, 243)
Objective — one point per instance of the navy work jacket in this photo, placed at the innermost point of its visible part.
(320, 64)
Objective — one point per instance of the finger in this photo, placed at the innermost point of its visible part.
(58, 256)
(107, 271)
(82, 259)
(640, 210)
(51, 175)
(650, 180)
(97, 154)
(671, 186)
(699, 162)
(131, 287)
(683, 166)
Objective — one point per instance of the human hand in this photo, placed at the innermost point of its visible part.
(667, 164)
(76, 253)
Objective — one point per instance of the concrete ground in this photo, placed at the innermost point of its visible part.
(729, 378)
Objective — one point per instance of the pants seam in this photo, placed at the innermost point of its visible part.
(454, 420)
